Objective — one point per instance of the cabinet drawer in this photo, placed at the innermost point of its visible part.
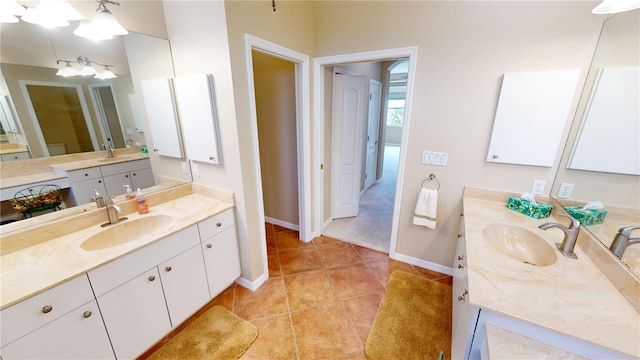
(30, 314)
(84, 174)
(125, 167)
(125, 268)
(216, 224)
(16, 156)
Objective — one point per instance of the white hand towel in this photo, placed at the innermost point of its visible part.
(426, 208)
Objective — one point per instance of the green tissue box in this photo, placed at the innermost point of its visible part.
(587, 217)
(538, 211)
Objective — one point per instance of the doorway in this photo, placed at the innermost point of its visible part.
(322, 66)
(107, 113)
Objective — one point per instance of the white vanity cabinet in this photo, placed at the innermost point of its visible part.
(83, 182)
(23, 155)
(220, 249)
(465, 315)
(136, 174)
(148, 292)
(63, 322)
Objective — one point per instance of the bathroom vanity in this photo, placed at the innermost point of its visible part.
(86, 291)
(512, 287)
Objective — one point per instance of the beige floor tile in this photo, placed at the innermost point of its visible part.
(309, 289)
(275, 339)
(430, 274)
(225, 298)
(370, 255)
(382, 269)
(299, 260)
(325, 332)
(290, 240)
(274, 265)
(354, 280)
(362, 311)
(338, 254)
(269, 299)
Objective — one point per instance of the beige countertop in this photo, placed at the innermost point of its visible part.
(89, 163)
(570, 296)
(12, 148)
(42, 257)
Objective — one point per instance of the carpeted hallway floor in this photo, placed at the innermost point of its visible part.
(320, 300)
(372, 227)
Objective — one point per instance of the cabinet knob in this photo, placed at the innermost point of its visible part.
(212, 158)
(460, 235)
(219, 224)
(85, 174)
(126, 175)
(209, 246)
(495, 156)
(87, 314)
(460, 257)
(168, 268)
(151, 278)
(47, 309)
(463, 296)
(155, 150)
(134, 174)
(460, 266)
(99, 181)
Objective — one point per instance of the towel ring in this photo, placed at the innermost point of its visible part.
(432, 178)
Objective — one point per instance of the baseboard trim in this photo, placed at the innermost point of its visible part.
(252, 285)
(284, 224)
(423, 263)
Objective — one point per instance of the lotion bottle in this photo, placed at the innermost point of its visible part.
(129, 195)
(143, 206)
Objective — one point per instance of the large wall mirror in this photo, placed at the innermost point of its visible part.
(601, 160)
(53, 115)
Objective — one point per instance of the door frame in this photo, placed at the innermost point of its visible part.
(34, 119)
(303, 131)
(319, 65)
(98, 108)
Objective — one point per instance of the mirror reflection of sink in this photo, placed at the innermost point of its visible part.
(520, 244)
(112, 159)
(125, 231)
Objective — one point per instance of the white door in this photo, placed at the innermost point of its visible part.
(373, 129)
(349, 116)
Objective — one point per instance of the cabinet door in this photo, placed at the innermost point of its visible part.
(185, 284)
(115, 184)
(16, 156)
(142, 178)
(222, 260)
(80, 334)
(83, 190)
(135, 314)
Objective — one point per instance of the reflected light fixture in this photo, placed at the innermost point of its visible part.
(52, 13)
(9, 9)
(616, 6)
(104, 25)
(87, 69)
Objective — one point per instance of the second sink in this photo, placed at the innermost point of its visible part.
(124, 232)
(520, 244)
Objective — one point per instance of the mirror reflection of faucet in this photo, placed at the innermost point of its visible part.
(98, 199)
(570, 236)
(623, 240)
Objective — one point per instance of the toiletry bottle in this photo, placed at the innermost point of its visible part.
(143, 206)
(129, 195)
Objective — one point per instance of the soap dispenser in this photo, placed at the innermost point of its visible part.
(143, 206)
(129, 195)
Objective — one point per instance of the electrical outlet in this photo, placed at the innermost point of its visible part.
(195, 168)
(565, 190)
(185, 170)
(538, 187)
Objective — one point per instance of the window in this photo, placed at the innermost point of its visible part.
(395, 113)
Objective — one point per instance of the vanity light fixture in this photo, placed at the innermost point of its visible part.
(104, 25)
(9, 9)
(52, 13)
(87, 69)
(616, 6)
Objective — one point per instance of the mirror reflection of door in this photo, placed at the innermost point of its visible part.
(60, 117)
(107, 113)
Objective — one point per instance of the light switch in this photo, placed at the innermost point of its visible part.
(435, 158)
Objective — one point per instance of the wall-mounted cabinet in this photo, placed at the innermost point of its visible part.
(196, 105)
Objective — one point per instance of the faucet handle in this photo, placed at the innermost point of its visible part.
(626, 231)
(575, 224)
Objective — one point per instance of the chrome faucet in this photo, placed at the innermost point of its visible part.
(112, 211)
(98, 199)
(570, 236)
(623, 240)
(109, 151)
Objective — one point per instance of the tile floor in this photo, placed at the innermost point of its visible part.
(320, 300)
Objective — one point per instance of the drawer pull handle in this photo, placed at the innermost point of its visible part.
(151, 278)
(168, 268)
(87, 314)
(219, 224)
(460, 266)
(47, 309)
(460, 257)
(464, 294)
(209, 246)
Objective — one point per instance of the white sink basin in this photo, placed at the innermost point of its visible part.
(125, 231)
(520, 244)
